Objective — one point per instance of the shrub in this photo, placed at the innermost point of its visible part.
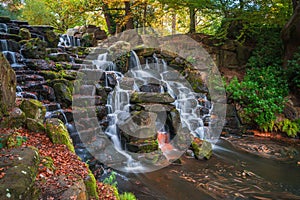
(261, 95)
(268, 50)
(293, 71)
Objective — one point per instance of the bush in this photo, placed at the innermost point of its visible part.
(268, 50)
(293, 71)
(261, 95)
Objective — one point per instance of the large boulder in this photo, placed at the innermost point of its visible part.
(151, 97)
(63, 94)
(34, 48)
(290, 35)
(16, 119)
(7, 86)
(20, 172)
(33, 109)
(58, 133)
(202, 148)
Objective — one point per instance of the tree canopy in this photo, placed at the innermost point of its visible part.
(236, 19)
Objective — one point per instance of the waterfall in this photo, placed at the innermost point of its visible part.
(4, 45)
(102, 63)
(134, 61)
(163, 80)
(3, 28)
(68, 41)
(12, 58)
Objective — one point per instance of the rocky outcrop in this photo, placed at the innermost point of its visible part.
(290, 35)
(58, 133)
(20, 170)
(7, 86)
(202, 149)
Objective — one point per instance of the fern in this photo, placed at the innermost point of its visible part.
(290, 128)
(127, 196)
(111, 180)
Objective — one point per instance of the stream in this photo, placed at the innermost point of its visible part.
(229, 174)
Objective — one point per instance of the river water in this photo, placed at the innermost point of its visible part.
(230, 174)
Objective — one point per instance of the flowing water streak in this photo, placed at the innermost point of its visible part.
(118, 102)
(4, 45)
(3, 28)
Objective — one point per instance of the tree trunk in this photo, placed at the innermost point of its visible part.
(291, 35)
(174, 20)
(128, 16)
(192, 20)
(109, 20)
(295, 4)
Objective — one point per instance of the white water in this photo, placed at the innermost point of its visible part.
(4, 45)
(68, 41)
(118, 103)
(3, 28)
(12, 58)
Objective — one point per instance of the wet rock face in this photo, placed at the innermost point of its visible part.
(149, 97)
(20, 173)
(7, 86)
(58, 133)
(34, 48)
(202, 149)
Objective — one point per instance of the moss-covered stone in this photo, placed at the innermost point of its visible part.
(20, 173)
(50, 75)
(16, 119)
(151, 97)
(7, 86)
(51, 38)
(63, 94)
(91, 186)
(4, 19)
(202, 148)
(34, 48)
(34, 125)
(33, 109)
(15, 140)
(58, 133)
(25, 34)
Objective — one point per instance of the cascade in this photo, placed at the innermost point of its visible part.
(68, 41)
(12, 59)
(157, 73)
(55, 111)
(4, 45)
(3, 28)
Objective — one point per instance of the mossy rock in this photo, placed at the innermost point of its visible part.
(202, 148)
(4, 19)
(151, 97)
(51, 38)
(58, 133)
(34, 125)
(34, 48)
(20, 173)
(25, 34)
(33, 109)
(91, 186)
(7, 86)
(63, 94)
(16, 119)
(50, 75)
(15, 140)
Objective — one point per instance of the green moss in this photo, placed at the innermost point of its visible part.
(91, 186)
(50, 75)
(202, 148)
(25, 34)
(35, 125)
(33, 109)
(58, 133)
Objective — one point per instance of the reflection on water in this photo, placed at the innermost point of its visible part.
(229, 174)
